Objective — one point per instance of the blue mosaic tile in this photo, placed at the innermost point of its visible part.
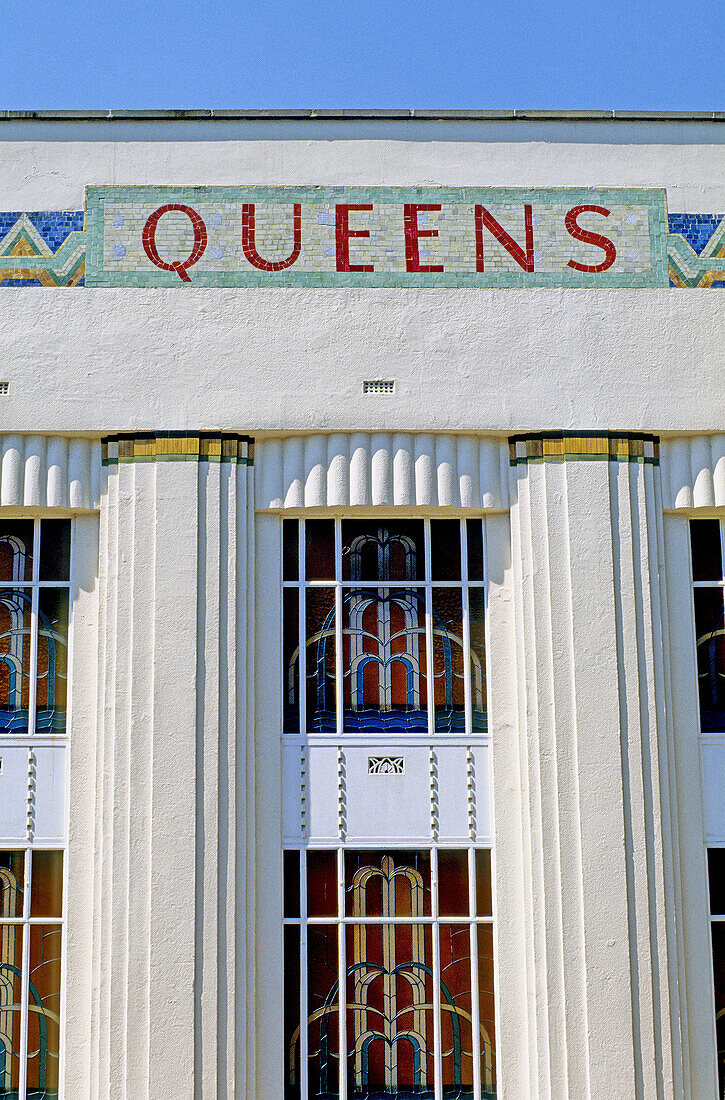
(697, 229)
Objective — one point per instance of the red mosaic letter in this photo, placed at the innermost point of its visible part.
(588, 237)
(149, 240)
(412, 233)
(523, 259)
(249, 243)
(343, 233)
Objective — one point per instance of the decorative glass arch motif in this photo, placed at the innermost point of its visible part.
(390, 998)
(33, 631)
(411, 642)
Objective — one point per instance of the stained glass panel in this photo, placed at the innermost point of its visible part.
(387, 884)
(445, 549)
(291, 657)
(54, 550)
(52, 681)
(12, 884)
(393, 980)
(292, 1011)
(716, 879)
(448, 660)
(484, 892)
(474, 539)
(291, 883)
(453, 895)
(389, 551)
(477, 628)
(15, 640)
(290, 549)
(387, 576)
(46, 885)
(322, 883)
(11, 956)
(486, 1010)
(16, 551)
(710, 634)
(320, 643)
(706, 550)
(323, 1012)
(390, 1011)
(320, 549)
(384, 661)
(456, 1010)
(44, 1014)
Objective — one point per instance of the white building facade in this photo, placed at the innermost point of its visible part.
(362, 637)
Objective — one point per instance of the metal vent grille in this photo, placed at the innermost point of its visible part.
(4, 387)
(379, 385)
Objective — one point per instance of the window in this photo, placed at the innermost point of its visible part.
(716, 875)
(706, 536)
(31, 922)
(388, 956)
(411, 933)
(34, 624)
(34, 594)
(384, 626)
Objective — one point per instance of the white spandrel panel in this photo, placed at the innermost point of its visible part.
(480, 787)
(50, 786)
(453, 807)
(387, 793)
(292, 792)
(321, 817)
(13, 793)
(713, 789)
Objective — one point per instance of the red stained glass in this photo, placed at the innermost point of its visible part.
(321, 884)
(453, 895)
(323, 1011)
(16, 551)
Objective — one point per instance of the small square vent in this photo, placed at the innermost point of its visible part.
(379, 385)
(4, 387)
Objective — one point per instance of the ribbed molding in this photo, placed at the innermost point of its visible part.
(693, 472)
(174, 764)
(598, 803)
(379, 468)
(56, 471)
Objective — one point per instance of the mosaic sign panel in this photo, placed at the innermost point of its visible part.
(396, 237)
(47, 248)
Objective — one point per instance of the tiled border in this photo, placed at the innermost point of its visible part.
(584, 446)
(653, 198)
(177, 447)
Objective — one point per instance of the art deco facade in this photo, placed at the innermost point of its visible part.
(362, 660)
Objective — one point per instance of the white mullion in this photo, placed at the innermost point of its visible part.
(430, 689)
(341, 976)
(338, 628)
(468, 704)
(475, 998)
(34, 628)
(66, 872)
(436, 948)
(25, 979)
(486, 636)
(304, 1037)
(302, 626)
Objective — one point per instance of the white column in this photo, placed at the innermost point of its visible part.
(595, 750)
(173, 819)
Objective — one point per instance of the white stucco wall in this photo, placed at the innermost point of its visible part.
(592, 700)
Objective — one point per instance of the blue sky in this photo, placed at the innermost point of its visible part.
(637, 54)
